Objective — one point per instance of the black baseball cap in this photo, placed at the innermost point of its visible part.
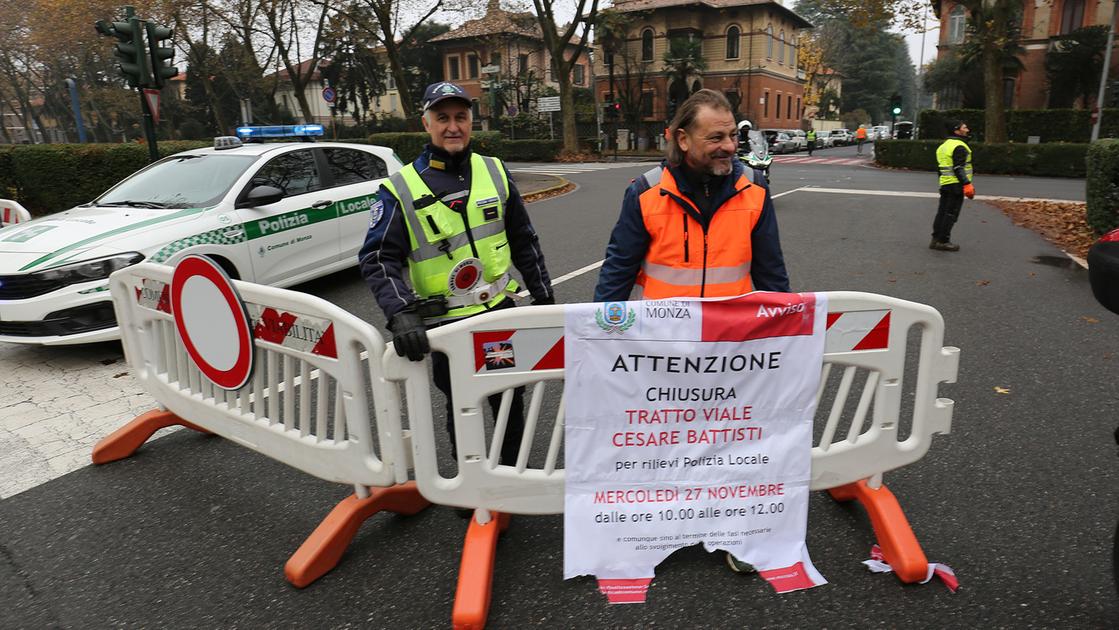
(439, 92)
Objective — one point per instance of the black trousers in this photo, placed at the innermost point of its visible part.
(951, 200)
(514, 430)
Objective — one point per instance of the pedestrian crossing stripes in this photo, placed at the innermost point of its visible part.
(820, 160)
(575, 168)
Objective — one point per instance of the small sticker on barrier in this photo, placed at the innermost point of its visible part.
(499, 355)
(154, 295)
(877, 564)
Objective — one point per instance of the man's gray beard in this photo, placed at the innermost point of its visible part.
(718, 169)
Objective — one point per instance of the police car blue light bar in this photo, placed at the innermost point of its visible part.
(280, 131)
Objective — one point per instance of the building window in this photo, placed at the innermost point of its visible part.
(769, 42)
(453, 69)
(522, 65)
(765, 104)
(793, 52)
(475, 110)
(495, 59)
(781, 48)
(957, 21)
(472, 66)
(1072, 15)
(734, 98)
(800, 112)
(777, 110)
(733, 38)
(647, 45)
(578, 74)
(647, 104)
(789, 107)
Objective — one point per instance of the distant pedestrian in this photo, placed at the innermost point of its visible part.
(860, 137)
(953, 161)
(811, 135)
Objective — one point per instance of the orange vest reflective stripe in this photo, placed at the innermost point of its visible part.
(682, 261)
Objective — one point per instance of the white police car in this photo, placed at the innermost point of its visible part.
(277, 214)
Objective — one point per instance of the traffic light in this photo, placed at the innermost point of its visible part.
(129, 51)
(161, 55)
(895, 105)
(611, 110)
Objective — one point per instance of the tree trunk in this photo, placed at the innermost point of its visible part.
(567, 102)
(994, 88)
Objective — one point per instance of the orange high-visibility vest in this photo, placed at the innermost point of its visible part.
(682, 259)
(860, 134)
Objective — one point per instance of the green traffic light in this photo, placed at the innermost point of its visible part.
(897, 110)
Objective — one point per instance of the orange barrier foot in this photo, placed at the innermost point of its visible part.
(324, 547)
(475, 573)
(895, 536)
(128, 439)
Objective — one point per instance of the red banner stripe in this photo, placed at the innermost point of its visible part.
(326, 346)
(792, 578)
(622, 591)
(759, 316)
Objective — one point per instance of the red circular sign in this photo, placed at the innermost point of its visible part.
(466, 277)
(212, 322)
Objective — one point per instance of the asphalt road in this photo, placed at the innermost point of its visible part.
(1020, 499)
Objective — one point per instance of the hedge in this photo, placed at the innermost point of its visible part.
(1050, 125)
(1057, 159)
(409, 145)
(48, 178)
(1103, 186)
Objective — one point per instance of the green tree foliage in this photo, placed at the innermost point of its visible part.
(353, 69)
(423, 64)
(1073, 65)
(955, 81)
(683, 59)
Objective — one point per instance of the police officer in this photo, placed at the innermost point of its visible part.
(457, 221)
(701, 224)
(953, 161)
(811, 137)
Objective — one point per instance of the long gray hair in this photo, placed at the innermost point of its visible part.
(685, 118)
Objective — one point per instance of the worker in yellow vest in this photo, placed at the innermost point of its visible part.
(953, 161)
(457, 222)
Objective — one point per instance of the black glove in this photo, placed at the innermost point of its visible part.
(544, 301)
(409, 335)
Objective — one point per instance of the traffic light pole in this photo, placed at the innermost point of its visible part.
(149, 128)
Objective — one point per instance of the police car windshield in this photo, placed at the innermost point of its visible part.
(185, 181)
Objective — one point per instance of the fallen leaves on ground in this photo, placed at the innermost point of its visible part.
(1061, 223)
(1089, 319)
(982, 283)
(548, 194)
(1001, 390)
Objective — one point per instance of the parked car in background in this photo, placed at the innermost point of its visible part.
(903, 130)
(841, 137)
(779, 141)
(881, 132)
(824, 139)
(799, 138)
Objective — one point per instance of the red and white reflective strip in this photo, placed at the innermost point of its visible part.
(877, 564)
(522, 350)
(154, 294)
(857, 330)
(293, 330)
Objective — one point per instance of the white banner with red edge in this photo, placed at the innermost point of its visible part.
(877, 564)
(687, 422)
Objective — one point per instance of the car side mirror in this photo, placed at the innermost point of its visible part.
(261, 196)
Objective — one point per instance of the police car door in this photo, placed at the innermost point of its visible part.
(355, 178)
(292, 239)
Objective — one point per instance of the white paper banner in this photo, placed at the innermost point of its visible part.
(689, 422)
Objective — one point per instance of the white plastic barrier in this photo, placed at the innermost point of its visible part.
(312, 402)
(866, 332)
(11, 212)
(857, 435)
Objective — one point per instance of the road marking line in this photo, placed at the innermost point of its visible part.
(567, 276)
(787, 192)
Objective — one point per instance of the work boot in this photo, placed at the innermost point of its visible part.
(944, 246)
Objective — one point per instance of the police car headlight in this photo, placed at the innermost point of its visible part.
(89, 270)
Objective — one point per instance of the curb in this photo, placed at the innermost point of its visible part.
(529, 196)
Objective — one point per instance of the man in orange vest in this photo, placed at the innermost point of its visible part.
(860, 137)
(701, 224)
